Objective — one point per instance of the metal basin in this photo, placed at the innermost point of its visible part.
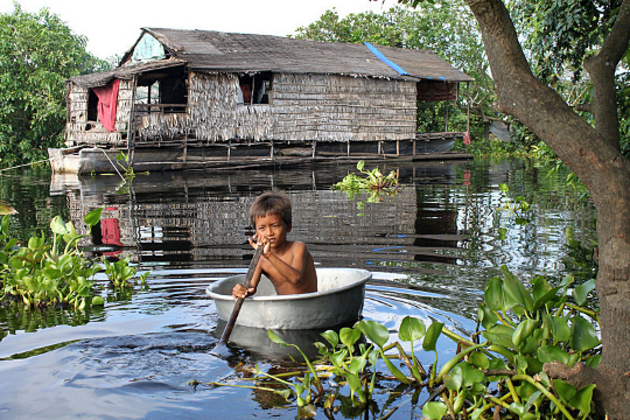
(338, 301)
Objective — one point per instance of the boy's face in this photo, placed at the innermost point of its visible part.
(273, 227)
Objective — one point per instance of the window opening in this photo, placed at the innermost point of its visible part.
(92, 111)
(162, 91)
(255, 89)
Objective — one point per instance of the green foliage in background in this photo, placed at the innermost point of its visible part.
(38, 53)
(53, 271)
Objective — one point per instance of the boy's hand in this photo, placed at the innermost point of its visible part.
(261, 240)
(240, 292)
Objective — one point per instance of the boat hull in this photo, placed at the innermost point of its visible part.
(338, 301)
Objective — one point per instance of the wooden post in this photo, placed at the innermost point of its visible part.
(314, 144)
(229, 151)
(131, 131)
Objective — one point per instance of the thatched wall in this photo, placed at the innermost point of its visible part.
(81, 131)
(303, 107)
(342, 108)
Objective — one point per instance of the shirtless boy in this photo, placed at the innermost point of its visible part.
(288, 264)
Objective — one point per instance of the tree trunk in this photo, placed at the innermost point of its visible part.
(593, 154)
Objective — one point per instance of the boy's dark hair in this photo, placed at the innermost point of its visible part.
(272, 202)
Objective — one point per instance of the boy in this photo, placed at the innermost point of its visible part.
(287, 264)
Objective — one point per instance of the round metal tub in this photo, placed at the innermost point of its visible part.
(338, 301)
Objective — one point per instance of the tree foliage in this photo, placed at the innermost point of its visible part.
(38, 53)
(558, 35)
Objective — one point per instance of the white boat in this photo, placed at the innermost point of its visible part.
(338, 301)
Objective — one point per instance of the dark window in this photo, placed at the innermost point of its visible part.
(255, 89)
(163, 91)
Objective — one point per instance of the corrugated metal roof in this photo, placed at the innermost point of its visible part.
(234, 52)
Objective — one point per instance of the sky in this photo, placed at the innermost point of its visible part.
(113, 26)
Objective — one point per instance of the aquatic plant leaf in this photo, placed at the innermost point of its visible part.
(411, 329)
(523, 331)
(515, 289)
(98, 301)
(375, 332)
(549, 354)
(93, 217)
(7, 209)
(565, 390)
(582, 400)
(494, 295)
(581, 292)
(486, 317)
(479, 360)
(560, 329)
(433, 333)
(349, 336)
(332, 338)
(57, 226)
(276, 339)
(584, 335)
(434, 410)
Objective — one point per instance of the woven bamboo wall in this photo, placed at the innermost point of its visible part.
(80, 131)
(303, 107)
(342, 108)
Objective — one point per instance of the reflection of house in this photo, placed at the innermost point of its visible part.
(184, 98)
(203, 220)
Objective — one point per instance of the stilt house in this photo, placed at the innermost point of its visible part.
(182, 98)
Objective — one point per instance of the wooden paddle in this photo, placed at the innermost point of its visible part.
(239, 302)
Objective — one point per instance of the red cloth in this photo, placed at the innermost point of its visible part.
(110, 232)
(107, 104)
(467, 138)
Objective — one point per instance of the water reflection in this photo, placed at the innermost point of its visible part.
(431, 249)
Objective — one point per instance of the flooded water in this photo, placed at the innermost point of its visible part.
(431, 248)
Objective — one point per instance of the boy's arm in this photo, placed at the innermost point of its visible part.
(293, 270)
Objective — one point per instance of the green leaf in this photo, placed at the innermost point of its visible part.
(434, 410)
(515, 289)
(486, 316)
(433, 333)
(98, 301)
(560, 329)
(581, 292)
(479, 359)
(494, 295)
(565, 390)
(411, 329)
(349, 336)
(550, 353)
(582, 400)
(523, 331)
(275, 338)
(93, 217)
(332, 338)
(375, 332)
(57, 226)
(584, 335)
